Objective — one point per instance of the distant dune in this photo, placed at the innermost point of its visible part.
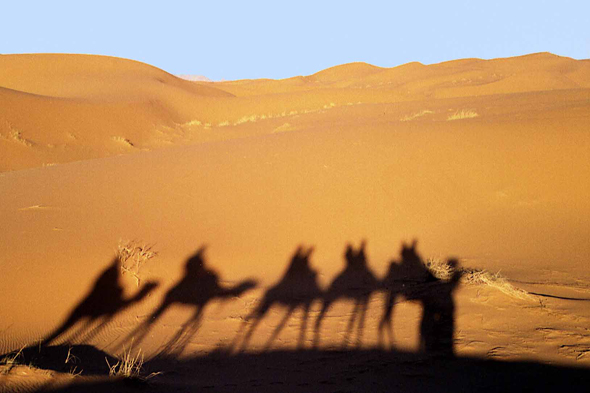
(195, 78)
(215, 186)
(80, 106)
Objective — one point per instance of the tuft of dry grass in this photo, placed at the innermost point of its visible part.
(441, 270)
(133, 255)
(462, 114)
(123, 140)
(130, 366)
(12, 360)
(192, 123)
(416, 115)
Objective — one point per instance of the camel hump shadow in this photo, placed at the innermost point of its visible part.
(299, 283)
(356, 279)
(298, 288)
(104, 300)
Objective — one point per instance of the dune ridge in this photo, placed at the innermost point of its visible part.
(81, 104)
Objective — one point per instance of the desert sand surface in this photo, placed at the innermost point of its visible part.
(273, 235)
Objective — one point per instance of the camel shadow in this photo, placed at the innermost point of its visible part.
(297, 288)
(196, 289)
(103, 301)
(357, 283)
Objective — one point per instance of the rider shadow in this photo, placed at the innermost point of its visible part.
(100, 305)
(411, 279)
(357, 283)
(196, 289)
(297, 288)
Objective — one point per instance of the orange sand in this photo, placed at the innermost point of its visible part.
(486, 161)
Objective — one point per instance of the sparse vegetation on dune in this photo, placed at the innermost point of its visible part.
(416, 115)
(463, 114)
(15, 135)
(123, 140)
(252, 118)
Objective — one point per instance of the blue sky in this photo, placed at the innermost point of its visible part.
(274, 39)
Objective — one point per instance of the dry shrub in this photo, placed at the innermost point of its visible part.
(416, 115)
(133, 255)
(130, 366)
(462, 114)
(441, 270)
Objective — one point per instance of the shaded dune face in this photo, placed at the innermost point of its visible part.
(485, 160)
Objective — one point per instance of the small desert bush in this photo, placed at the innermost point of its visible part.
(133, 255)
(439, 268)
(246, 119)
(462, 114)
(192, 123)
(443, 271)
(123, 140)
(415, 115)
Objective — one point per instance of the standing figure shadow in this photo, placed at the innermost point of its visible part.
(437, 327)
(356, 282)
(297, 288)
(102, 303)
(196, 289)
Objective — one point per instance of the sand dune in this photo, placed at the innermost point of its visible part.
(484, 161)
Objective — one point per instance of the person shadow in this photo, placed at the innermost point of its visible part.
(104, 300)
(197, 288)
(357, 283)
(297, 288)
(437, 327)
(411, 279)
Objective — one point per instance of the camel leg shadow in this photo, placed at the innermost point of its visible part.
(178, 342)
(385, 325)
(278, 329)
